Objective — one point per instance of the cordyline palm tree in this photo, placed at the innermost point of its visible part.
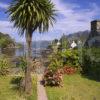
(29, 16)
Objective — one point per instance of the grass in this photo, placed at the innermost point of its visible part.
(75, 87)
(7, 92)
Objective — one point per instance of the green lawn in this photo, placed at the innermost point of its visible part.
(7, 92)
(75, 88)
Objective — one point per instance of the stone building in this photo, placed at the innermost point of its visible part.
(94, 37)
(95, 28)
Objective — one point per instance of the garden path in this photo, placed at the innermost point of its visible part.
(41, 89)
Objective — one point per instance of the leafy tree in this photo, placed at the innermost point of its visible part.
(5, 40)
(64, 42)
(29, 16)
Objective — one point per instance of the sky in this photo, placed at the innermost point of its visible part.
(72, 16)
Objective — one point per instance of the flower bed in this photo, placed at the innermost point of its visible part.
(52, 78)
(69, 70)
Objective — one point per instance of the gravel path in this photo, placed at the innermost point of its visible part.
(41, 89)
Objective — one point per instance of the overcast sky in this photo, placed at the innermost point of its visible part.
(73, 16)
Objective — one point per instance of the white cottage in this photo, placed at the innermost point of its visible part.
(73, 45)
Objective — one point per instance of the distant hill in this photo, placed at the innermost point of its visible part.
(40, 44)
(81, 35)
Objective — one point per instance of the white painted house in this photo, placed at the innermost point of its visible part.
(73, 45)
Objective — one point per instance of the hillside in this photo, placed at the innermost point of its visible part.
(6, 41)
(81, 35)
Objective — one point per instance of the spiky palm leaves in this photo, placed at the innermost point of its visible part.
(32, 15)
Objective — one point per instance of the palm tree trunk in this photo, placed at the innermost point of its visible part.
(28, 80)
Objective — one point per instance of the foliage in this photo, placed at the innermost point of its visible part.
(53, 45)
(70, 57)
(61, 59)
(56, 68)
(64, 42)
(5, 40)
(22, 63)
(52, 78)
(91, 62)
(55, 77)
(19, 83)
(69, 70)
(55, 61)
(16, 81)
(54, 42)
(4, 65)
(29, 15)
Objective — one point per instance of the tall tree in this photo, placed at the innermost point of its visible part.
(29, 16)
(64, 42)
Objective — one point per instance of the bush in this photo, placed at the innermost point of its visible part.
(52, 78)
(65, 58)
(22, 63)
(18, 83)
(91, 62)
(69, 70)
(71, 58)
(16, 80)
(4, 65)
(55, 77)
(55, 61)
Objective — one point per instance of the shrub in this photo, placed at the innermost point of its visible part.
(4, 65)
(52, 78)
(91, 62)
(69, 70)
(16, 80)
(71, 58)
(55, 61)
(18, 83)
(65, 58)
(22, 63)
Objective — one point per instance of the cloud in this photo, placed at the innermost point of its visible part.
(3, 5)
(71, 18)
(6, 27)
(5, 24)
(74, 17)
